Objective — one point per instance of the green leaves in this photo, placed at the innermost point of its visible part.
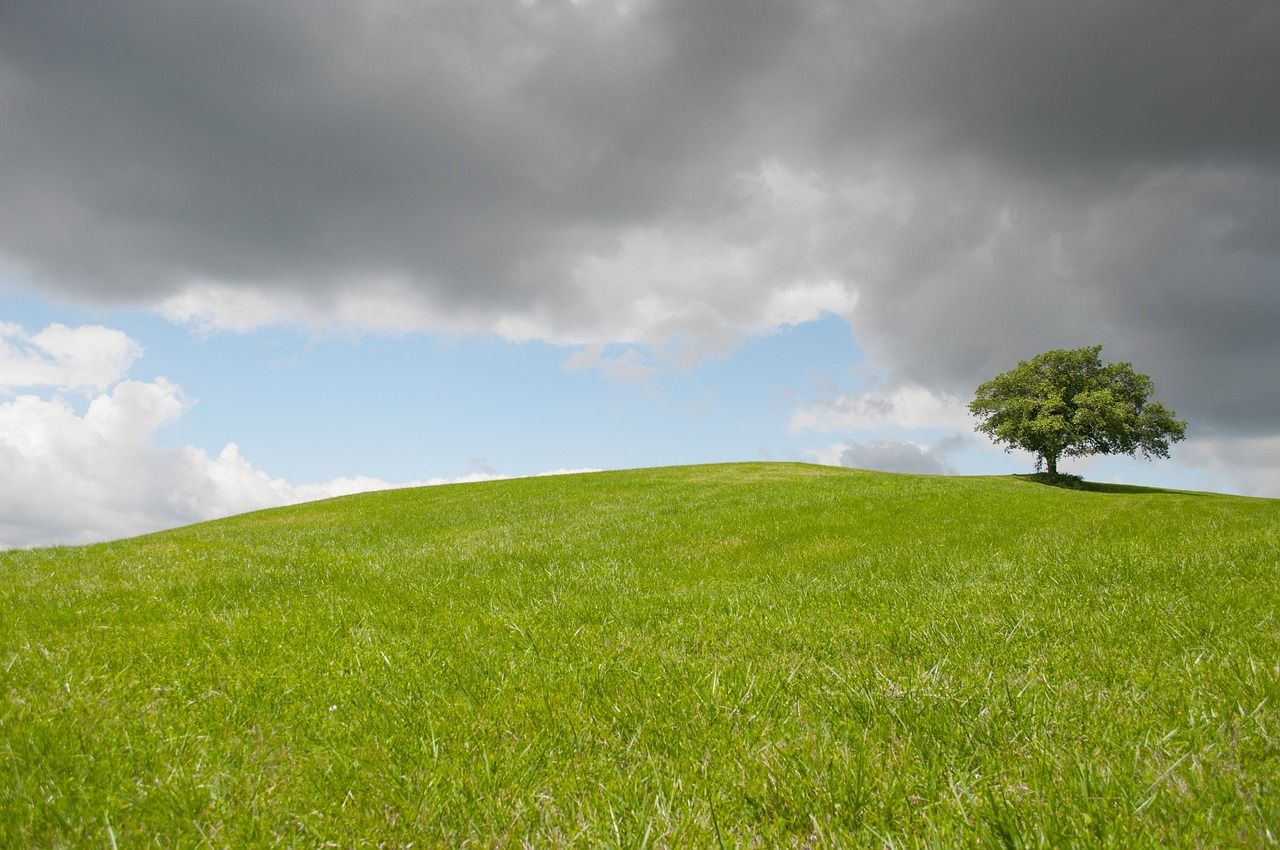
(1067, 403)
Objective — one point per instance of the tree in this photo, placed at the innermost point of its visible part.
(1067, 403)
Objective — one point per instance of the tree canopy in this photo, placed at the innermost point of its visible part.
(1068, 403)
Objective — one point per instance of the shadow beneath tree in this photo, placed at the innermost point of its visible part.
(1075, 482)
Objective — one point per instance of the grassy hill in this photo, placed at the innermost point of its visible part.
(748, 654)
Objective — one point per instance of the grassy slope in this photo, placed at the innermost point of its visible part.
(754, 653)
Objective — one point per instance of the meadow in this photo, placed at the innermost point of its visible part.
(743, 655)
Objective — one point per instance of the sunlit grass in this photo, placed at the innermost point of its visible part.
(740, 655)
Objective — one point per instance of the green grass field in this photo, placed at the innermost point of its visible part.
(751, 655)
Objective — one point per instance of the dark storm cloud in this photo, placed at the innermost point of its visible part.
(991, 178)
(301, 143)
(1167, 272)
(258, 141)
(1099, 171)
(1079, 87)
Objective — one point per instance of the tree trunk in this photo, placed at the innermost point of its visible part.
(1051, 461)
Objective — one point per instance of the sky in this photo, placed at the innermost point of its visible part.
(258, 253)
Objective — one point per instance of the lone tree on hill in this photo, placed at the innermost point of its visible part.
(1067, 403)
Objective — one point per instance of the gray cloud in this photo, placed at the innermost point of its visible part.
(471, 147)
(1247, 465)
(1065, 89)
(1163, 271)
(990, 179)
(896, 456)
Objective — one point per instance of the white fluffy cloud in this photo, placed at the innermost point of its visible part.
(87, 357)
(886, 419)
(78, 477)
(906, 407)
